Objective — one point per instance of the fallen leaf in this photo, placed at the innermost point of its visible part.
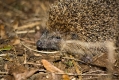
(19, 72)
(2, 31)
(15, 24)
(24, 75)
(8, 47)
(15, 41)
(51, 67)
(54, 69)
(65, 77)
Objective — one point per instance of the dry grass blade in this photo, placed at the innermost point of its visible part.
(45, 52)
(30, 25)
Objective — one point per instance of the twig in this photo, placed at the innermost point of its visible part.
(96, 71)
(30, 25)
(3, 73)
(23, 32)
(25, 57)
(70, 74)
(45, 52)
(31, 63)
(32, 20)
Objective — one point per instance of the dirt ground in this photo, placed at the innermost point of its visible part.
(20, 22)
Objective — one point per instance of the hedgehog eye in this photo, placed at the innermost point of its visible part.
(74, 36)
(57, 37)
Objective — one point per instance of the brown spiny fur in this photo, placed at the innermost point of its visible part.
(85, 26)
(89, 20)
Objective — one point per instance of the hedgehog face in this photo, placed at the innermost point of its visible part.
(48, 42)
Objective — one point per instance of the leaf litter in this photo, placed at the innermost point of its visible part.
(19, 22)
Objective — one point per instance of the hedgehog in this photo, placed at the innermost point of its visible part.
(82, 28)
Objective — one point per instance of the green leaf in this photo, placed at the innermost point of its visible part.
(8, 47)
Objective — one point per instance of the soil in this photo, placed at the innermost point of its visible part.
(20, 23)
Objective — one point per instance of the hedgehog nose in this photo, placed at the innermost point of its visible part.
(48, 45)
(39, 45)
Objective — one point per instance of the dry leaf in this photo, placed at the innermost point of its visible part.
(51, 67)
(54, 69)
(30, 25)
(65, 77)
(15, 41)
(19, 72)
(15, 24)
(2, 31)
(24, 75)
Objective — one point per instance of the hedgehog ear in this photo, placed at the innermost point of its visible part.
(43, 32)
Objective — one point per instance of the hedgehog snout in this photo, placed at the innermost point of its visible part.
(51, 43)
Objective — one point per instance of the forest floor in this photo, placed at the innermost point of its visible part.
(20, 22)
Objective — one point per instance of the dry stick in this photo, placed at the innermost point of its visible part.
(96, 71)
(24, 32)
(30, 25)
(3, 73)
(45, 52)
(70, 74)
(15, 54)
(78, 69)
(32, 20)
(31, 63)
(25, 57)
(25, 60)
